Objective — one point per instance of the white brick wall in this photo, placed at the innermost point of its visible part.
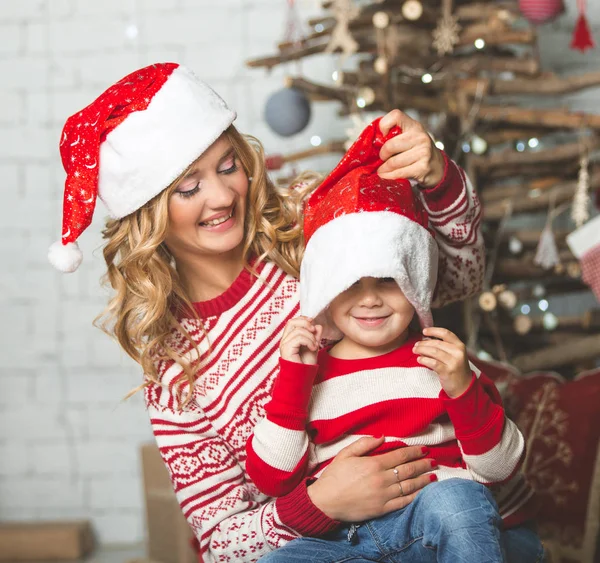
(68, 444)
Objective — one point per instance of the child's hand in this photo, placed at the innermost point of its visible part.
(300, 341)
(448, 358)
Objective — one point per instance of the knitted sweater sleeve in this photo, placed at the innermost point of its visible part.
(230, 519)
(455, 216)
(278, 448)
(493, 447)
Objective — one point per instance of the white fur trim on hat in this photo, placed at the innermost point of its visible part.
(373, 243)
(151, 148)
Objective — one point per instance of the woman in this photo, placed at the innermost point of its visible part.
(203, 254)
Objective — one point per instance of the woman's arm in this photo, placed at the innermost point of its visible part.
(453, 207)
(278, 448)
(230, 519)
(455, 215)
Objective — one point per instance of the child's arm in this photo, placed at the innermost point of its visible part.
(491, 444)
(277, 450)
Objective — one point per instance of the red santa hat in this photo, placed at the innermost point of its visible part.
(131, 143)
(357, 224)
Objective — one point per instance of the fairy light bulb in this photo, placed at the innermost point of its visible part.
(315, 140)
(550, 321)
(479, 43)
(426, 78)
(543, 304)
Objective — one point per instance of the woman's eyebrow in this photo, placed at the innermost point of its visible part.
(226, 154)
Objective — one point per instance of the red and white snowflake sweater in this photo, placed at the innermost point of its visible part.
(204, 443)
(316, 410)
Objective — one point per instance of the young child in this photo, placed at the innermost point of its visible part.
(370, 265)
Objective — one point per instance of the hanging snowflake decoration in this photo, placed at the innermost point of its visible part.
(445, 35)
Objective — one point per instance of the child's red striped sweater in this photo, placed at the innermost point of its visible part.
(315, 411)
(204, 443)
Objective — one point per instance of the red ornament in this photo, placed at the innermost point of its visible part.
(582, 36)
(274, 161)
(541, 11)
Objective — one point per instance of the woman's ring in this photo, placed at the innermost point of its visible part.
(400, 487)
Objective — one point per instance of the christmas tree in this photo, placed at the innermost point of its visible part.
(471, 73)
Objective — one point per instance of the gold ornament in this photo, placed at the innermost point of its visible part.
(381, 20)
(367, 94)
(412, 10)
(507, 299)
(380, 65)
(487, 301)
(522, 324)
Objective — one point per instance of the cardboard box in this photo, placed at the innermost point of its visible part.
(169, 534)
(45, 541)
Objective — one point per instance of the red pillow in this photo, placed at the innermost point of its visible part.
(560, 420)
(561, 423)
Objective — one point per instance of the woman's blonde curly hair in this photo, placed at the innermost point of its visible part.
(142, 313)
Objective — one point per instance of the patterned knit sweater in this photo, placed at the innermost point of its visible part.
(316, 410)
(204, 443)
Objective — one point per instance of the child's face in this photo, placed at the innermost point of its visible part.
(373, 313)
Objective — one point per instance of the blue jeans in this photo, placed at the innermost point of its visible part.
(450, 521)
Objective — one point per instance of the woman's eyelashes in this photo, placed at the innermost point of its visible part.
(231, 169)
(191, 189)
(189, 192)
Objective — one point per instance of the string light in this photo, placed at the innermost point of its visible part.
(466, 147)
(525, 309)
(360, 102)
(131, 31)
(479, 43)
(515, 245)
(485, 356)
(549, 321)
(520, 146)
(315, 140)
(539, 290)
(543, 304)
(426, 78)
(478, 145)
(319, 27)
(533, 142)
(335, 75)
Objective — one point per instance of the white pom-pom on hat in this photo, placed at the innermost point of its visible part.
(65, 257)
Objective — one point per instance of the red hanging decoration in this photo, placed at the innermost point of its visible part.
(541, 11)
(582, 36)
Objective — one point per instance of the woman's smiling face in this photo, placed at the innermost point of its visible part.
(207, 208)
